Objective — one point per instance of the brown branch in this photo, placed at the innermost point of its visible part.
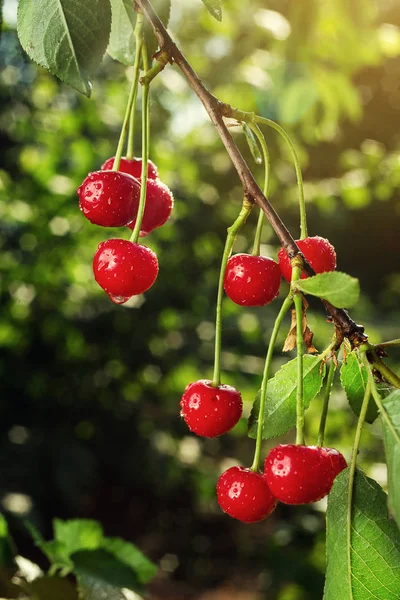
(216, 111)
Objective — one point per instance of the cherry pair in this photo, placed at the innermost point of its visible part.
(111, 199)
(292, 475)
(255, 280)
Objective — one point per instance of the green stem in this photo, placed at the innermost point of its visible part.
(145, 151)
(327, 395)
(230, 240)
(130, 107)
(390, 343)
(378, 399)
(352, 471)
(383, 369)
(253, 118)
(263, 392)
(267, 169)
(298, 304)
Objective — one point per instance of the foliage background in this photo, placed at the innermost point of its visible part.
(89, 411)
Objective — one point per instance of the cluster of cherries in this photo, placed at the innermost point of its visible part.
(111, 199)
(293, 474)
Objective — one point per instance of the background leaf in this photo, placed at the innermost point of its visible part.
(338, 288)
(252, 143)
(354, 377)
(280, 406)
(122, 40)
(392, 450)
(374, 570)
(79, 543)
(67, 37)
(214, 7)
(101, 566)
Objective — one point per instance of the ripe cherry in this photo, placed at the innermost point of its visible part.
(245, 495)
(109, 198)
(210, 411)
(337, 459)
(124, 269)
(317, 250)
(252, 280)
(158, 207)
(301, 474)
(133, 166)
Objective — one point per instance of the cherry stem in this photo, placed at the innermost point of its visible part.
(390, 343)
(327, 395)
(263, 391)
(267, 169)
(230, 240)
(378, 364)
(378, 400)
(130, 107)
(251, 118)
(298, 304)
(145, 151)
(352, 468)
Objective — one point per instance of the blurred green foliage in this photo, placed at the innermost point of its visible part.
(90, 391)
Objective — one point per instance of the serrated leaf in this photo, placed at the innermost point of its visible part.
(252, 143)
(280, 406)
(391, 437)
(214, 7)
(67, 37)
(122, 46)
(373, 571)
(163, 9)
(338, 288)
(354, 378)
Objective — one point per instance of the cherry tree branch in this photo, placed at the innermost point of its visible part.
(217, 110)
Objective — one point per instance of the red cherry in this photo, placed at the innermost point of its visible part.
(109, 198)
(317, 250)
(133, 166)
(158, 207)
(252, 280)
(299, 474)
(337, 459)
(245, 495)
(210, 411)
(124, 269)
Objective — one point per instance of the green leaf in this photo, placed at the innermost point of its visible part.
(214, 7)
(67, 37)
(280, 406)
(391, 437)
(338, 288)
(122, 44)
(373, 571)
(101, 566)
(252, 143)
(163, 9)
(6, 545)
(78, 534)
(354, 378)
(130, 555)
